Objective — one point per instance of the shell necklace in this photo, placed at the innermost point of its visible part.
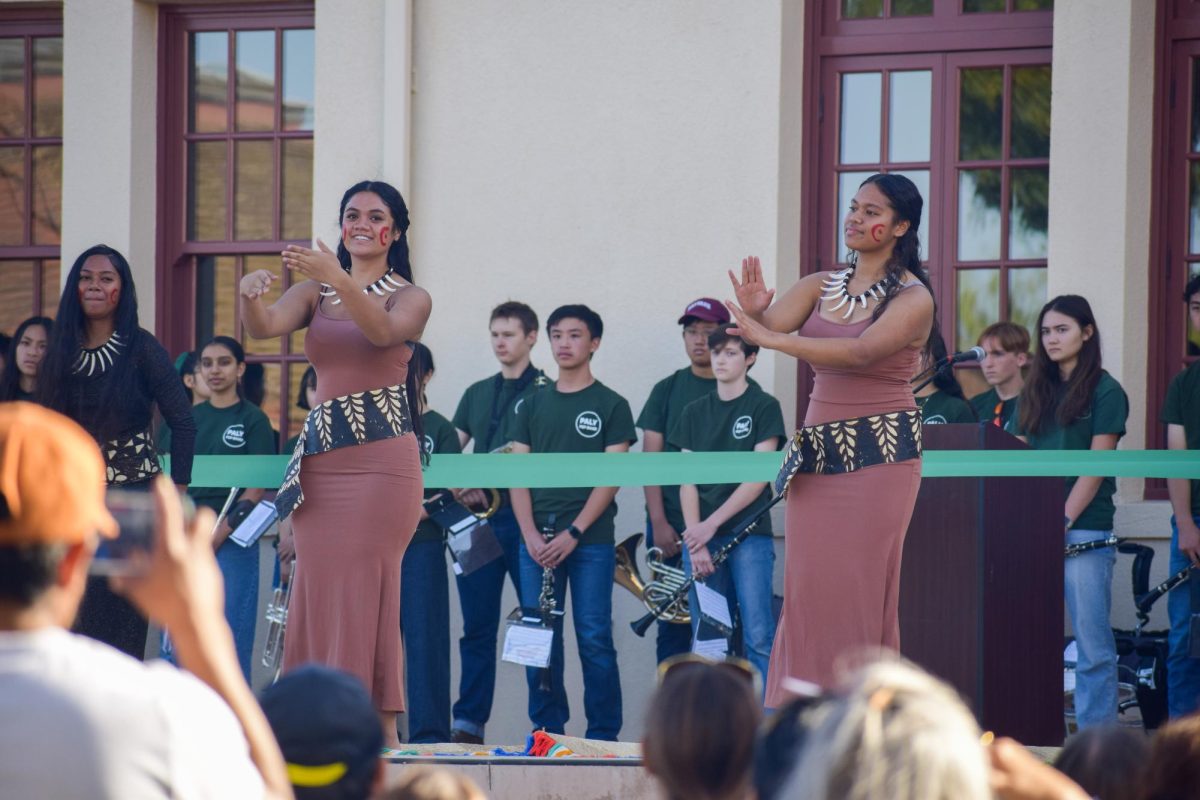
(834, 288)
(99, 359)
(385, 284)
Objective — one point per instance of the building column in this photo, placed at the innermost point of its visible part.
(363, 85)
(110, 91)
(1102, 119)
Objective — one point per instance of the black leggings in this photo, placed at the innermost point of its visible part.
(109, 618)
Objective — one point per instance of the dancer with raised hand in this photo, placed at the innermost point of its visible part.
(852, 472)
(354, 480)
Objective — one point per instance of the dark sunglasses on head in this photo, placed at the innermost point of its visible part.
(738, 667)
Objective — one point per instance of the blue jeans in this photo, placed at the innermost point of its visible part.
(425, 623)
(479, 595)
(745, 580)
(589, 573)
(1088, 582)
(672, 638)
(239, 567)
(1183, 672)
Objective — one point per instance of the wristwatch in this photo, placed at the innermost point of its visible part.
(576, 534)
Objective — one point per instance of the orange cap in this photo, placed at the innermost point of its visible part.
(51, 479)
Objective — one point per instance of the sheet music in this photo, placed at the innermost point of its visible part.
(716, 649)
(255, 524)
(713, 605)
(527, 644)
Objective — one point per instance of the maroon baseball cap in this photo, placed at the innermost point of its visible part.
(706, 309)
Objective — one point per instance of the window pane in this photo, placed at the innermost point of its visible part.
(978, 214)
(1195, 105)
(298, 80)
(1193, 335)
(977, 304)
(848, 183)
(47, 194)
(296, 414)
(50, 288)
(12, 195)
(920, 177)
(16, 293)
(47, 87)
(208, 82)
(250, 264)
(862, 9)
(1194, 208)
(1034, 5)
(909, 115)
(269, 387)
(12, 88)
(296, 161)
(254, 207)
(1026, 296)
(912, 8)
(1030, 112)
(207, 162)
(862, 94)
(980, 113)
(255, 80)
(216, 294)
(975, 6)
(1028, 210)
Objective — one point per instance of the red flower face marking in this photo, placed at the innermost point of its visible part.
(877, 232)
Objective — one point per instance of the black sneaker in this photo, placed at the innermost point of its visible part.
(459, 736)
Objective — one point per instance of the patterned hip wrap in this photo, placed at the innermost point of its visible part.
(358, 418)
(846, 445)
(130, 459)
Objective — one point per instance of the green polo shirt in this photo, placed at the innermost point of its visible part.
(440, 437)
(985, 407)
(1106, 415)
(474, 413)
(1182, 407)
(586, 421)
(711, 424)
(940, 408)
(240, 429)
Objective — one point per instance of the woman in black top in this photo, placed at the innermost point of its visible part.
(108, 374)
(26, 351)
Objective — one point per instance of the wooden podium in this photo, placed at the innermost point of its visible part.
(981, 589)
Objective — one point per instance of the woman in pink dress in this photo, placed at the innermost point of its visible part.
(852, 472)
(354, 481)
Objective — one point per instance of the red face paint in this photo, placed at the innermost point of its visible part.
(383, 236)
(114, 295)
(346, 232)
(877, 232)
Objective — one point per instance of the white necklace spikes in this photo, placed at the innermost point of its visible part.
(834, 288)
(384, 284)
(99, 359)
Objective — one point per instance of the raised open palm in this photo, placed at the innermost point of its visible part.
(752, 293)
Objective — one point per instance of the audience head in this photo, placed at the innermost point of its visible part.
(330, 735)
(51, 510)
(433, 783)
(5, 340)
(223, 366)
(1066, 365)
(896, 732)
(514, 331)
(1173, 771)
(574, 332)
(1006, 345)
(373, 220)
(24, 355)
(188, 367)
(421, 365)
(306, 395)
(254, 383)
(731, 355)
(781, 738)
(700, 318)
(700, 730)
(944, 379)
(1107, 761)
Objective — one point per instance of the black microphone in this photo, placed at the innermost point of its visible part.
(976, 353)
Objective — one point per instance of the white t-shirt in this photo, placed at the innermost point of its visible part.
(79, 719)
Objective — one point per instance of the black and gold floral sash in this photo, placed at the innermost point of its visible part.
(130, 459)
(357, 418)
(850, 444)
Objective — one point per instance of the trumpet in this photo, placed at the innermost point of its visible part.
(276, 616)
(663, 586)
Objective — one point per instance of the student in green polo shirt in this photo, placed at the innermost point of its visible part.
(668, 398)
(1070, 403)
(578, 414)
(1181, 414)
(226, 424)
(737, 417)
(1006, 345)
(941, 401)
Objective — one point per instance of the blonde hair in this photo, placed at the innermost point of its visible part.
(433, 783)
(896, 732)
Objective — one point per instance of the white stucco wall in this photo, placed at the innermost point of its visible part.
(1100, 159)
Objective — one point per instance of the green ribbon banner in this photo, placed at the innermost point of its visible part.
(559, 470)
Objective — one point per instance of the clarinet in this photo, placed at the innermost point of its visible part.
(1145, 601)
(642, 624)
(547, 603)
